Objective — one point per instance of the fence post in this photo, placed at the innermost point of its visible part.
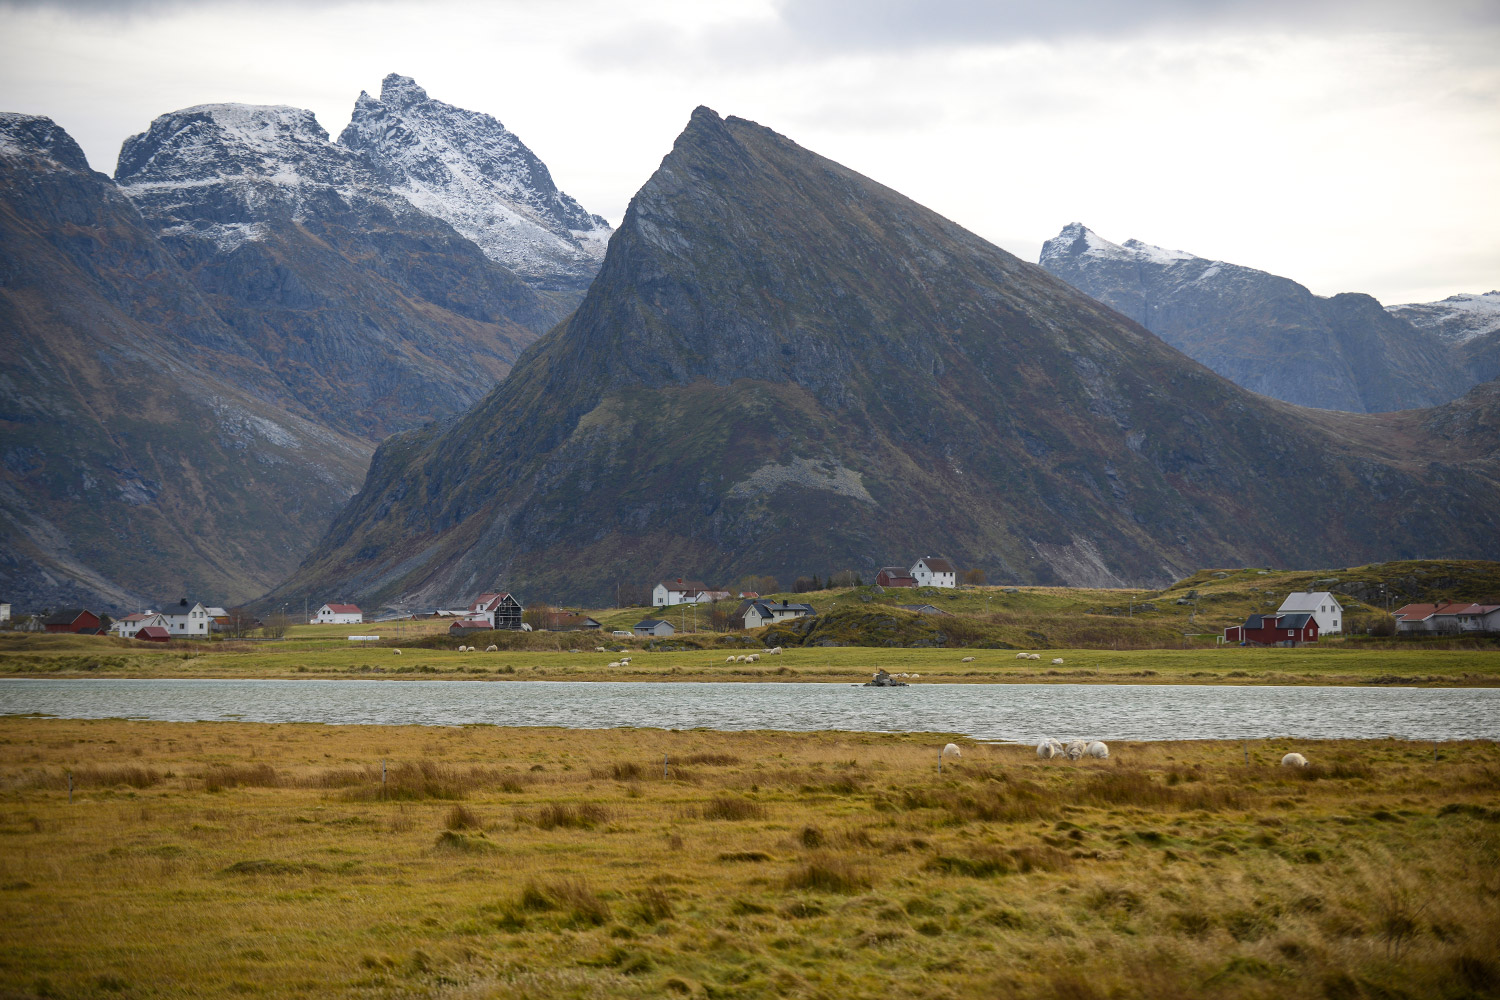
(940, 762)
(663, 765)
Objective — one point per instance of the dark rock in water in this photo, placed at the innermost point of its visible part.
(882, 679)
(783, 365)
(1262, 331)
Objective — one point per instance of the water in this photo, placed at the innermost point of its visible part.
(1021, 712)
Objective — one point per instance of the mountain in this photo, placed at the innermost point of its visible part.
(1468, 324)
(783, 365)
(377, 316)
(145, 452)
(465, 168)
(1264, 332)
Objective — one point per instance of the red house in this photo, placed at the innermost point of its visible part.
(73, 620)
(1292, 629)
(153, 633)
(895, 576)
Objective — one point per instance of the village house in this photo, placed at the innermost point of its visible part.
(895, 576)
(338, 614)
(152, 633)
(466, 625)
(76, 620)
(754, 614)
(653, 626)
(1274, 630)
(496, 610)
(127, 627)
(1322, 605)
(930, 572)
(682, 591)
(573, 623)
(1448, 616)
(185, 619)
(4, 614)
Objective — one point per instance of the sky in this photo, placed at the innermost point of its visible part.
(1353, 145)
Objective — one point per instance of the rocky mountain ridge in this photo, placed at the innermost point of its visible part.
(1469, 324)
(467, 169)
(1264, 332)
(784, 365)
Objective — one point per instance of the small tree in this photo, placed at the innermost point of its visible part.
(844, 578)
(539, 616)
(275, 626)
(1383, 624)
(721, 617)
(974, 577)
(805, 583)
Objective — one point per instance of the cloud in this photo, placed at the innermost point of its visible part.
(898, 24)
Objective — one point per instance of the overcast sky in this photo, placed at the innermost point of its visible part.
(1353, 145)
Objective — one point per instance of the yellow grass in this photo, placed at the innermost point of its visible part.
(233, 859)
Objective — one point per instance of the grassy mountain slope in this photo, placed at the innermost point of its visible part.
(784, 365)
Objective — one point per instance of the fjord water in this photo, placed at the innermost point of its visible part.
(1021, 712)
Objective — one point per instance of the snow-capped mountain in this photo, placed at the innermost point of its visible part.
(1265, 332)
(467, 169)
(1457, 319)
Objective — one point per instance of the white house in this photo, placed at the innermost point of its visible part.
(339, 614)
(1323, 606)
(1448, 616)
(128, 626)
(501, 610)
(4, 613)
(184, 618)
(681, 591)
(758, 613)
(930, 572)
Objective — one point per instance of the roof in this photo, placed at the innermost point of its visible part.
(488, 601)
(651, 623)
(684, 586)
(218, 613)
(153, 632)
(938, 565)
(66, 616)
(472, 623)
(1297, 619)
(139, 616)
(1306, 600)
(1422, 612)
(341, 609)
(1257, 621)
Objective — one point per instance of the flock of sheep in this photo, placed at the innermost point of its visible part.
(1050, 749)
(1056, 660)
(752, 657)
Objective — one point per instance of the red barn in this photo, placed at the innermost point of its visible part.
(73, 620)
(895, 576)
(1292, 629)
(153, 633)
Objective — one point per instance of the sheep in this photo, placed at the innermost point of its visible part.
(1098, 750)
(598, 649)
(396, 651)
(951, 750)
(775, 650)
(492, 649)
(614, 663)
(1057, 661)
(1022, 656)
(1076, 749)
(1047, 749)
(729, 659)
(1033, 656)
(462, 649)
(1294, 760)
(625, 660)
(753, 658)
(967, 659)
(916, 677)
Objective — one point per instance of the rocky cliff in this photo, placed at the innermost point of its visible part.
(1264, 332)
(467, 169)
(783, 365)
(1468, 324)
(146, 452)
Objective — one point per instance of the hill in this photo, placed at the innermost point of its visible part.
(784, 365)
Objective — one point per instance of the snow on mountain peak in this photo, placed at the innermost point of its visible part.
(1075, 239)
(36, 136)
(467, 169)
(1457, 319)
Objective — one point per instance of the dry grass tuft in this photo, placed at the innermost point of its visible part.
(829, 873)
(584, 816)
(732, 808)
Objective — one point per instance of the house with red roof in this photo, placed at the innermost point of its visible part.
(499, 610)
(1448, 616)
(338, 614)
(153, 633)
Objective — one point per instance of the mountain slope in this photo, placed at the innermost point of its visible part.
(1468, 324)
(375, 315)
(783, 365)
(145, 452)
(465, 168)
(1263, 332)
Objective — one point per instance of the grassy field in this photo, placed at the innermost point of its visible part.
(88, 656)
(232, 860)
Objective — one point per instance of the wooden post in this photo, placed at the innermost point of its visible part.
(663, 765)
(940, 761)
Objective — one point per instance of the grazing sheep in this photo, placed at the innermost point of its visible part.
(1033, 656)
(967, 659)
(492, 649)
(1022, 656)
(598, 649)
(1294, 760)
(916, 677)
(1057, 661)
(397, 652)
(775, 650)
(1047, 749)
(753, 658)
(729, 659)
(951, 750)
(1076, 749)
(1098, 749)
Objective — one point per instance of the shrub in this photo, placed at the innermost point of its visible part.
(460, 818)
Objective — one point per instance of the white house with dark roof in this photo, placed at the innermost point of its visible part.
(1325, 609)
(653, 626)
(754, 614)
(930, 572)
(680, 591)
(185, 619)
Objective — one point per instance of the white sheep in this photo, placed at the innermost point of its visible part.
(729, 659)
(396, 651)
(614, 663)
(492, 649)
(775, 650)
(1098, 750)
(1294, 760)
(967, 659)
(753, 658)
(624, 661)
(1033, 656)
(1047, 749)
(598, 649)
(1057, 661)
(1076, 749)
(951, 750)
(1022, 656)
(916, 677)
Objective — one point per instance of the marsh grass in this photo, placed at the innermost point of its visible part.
(514, 863)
